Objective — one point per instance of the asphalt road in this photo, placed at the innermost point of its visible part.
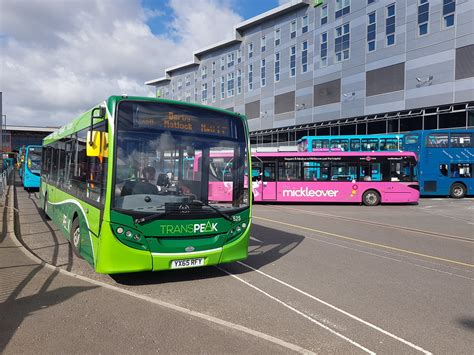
(325, 278)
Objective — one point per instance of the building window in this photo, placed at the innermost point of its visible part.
(180, 83)
(203, 72)
(222, 63)
(187, 80)
(292, 61)
(390, 25)
(222, 87)
(263, 73)
(213, 90)
(195, 74)
(293, 29)
(343, 7)
(277, 37)
(324, 15)
(230, 84)
(371, 31)
(239, 55)
(304, 24)
(250, 50)
(187, 96)
(324, 49)
(277, 67)
(250, 78)
(423, 17)
(213, 68)
(449, 8)
(230, 59)
(263, 43)
(204, 93)
(370, 2)
(304, 57)
(239, 81)
(342, 42)
(195, 94)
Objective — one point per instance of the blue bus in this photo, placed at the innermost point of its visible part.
(31, 167)
(354, 143)
(446, 161)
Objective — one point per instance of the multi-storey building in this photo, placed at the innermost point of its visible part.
(339, 67)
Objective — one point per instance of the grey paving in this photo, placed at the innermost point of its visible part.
(330, 284)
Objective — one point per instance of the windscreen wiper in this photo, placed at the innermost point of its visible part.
(223, 214)
(152, 217)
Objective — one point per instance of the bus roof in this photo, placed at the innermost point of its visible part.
(335, 154)
(356, 136)
(83, 121)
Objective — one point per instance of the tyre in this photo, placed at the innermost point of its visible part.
(457, 191)
(75, 237)
(45, 207)
(371, 198)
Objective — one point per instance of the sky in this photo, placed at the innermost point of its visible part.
(61, 57)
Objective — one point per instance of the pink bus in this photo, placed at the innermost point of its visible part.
(353, 177)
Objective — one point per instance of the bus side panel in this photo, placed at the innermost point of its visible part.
(238, 249)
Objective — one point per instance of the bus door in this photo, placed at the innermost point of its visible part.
(269, 185)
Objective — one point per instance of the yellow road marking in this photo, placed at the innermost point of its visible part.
(366, 242)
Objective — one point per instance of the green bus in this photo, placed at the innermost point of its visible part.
(123, 184)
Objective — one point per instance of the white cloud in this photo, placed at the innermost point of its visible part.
(59, 58)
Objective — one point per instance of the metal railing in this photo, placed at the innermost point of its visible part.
(5, 181)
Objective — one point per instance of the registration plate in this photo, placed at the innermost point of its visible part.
(180, 264)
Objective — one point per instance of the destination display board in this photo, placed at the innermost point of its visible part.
(183, 122)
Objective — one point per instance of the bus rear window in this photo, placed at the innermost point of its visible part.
(437, 140)
(461, 140)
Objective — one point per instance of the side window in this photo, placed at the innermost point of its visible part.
(46, 163)
(320, 144)
(438, 140)
(461, 170)
(343, 171)
(62, 163)
(54, 163)
(461, 140)
(370, 172)
(443, 169)
(369, 145)
(291, 171)
(355, 145)
(316, 171)
(78, 169)
(97, 175)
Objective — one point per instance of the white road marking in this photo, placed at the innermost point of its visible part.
(299, 312)
(394, 259)
(257, 240)
(373, 326)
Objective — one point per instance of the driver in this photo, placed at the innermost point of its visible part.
(147, 184)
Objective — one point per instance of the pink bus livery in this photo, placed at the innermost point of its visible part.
(343, 177)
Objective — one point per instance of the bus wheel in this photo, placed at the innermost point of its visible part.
(458, 190)
(371, 198)
(75, 237)
(45, 207)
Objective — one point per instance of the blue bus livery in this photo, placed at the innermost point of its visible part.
(446, 161)
(348, 143)
(31, 167)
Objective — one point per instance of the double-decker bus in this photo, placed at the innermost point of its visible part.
(446, 161)
(31, 167)
(368, 178)
(356, 143)
(121, 185)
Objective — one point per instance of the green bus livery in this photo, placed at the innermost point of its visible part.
(123, 185)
